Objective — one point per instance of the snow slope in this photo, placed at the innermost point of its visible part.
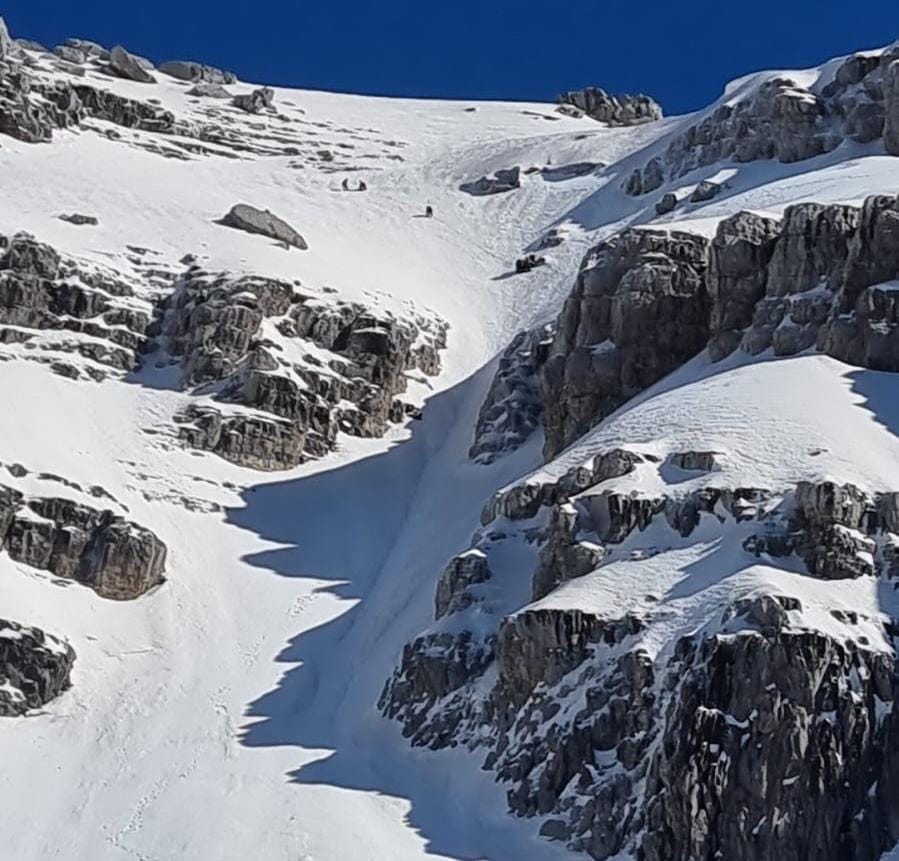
(230, 714)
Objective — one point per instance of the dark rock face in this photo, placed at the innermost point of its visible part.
(512, 409)
(781, 120)
(765, 757)
(6, 43)
(464, 571)
(666, 204)
(128, 66)
(242, 216)
(186, 70)
(740, 253)
(213, 323)
(34, 668)
(646, 301)
(40, 290)
(106, 105)
(816, 280)
(624, 110)
(502, 181)
(639, 309)
(891, 103)
(31, 112)
(118, 559)
(754, 737)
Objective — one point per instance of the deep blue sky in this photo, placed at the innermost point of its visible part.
(680, 52)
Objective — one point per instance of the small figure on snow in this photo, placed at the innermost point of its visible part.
(429, 211)
(345, 185)
(527, 263)
(362, 186)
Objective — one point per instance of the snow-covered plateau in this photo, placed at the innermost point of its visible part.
(396, 479)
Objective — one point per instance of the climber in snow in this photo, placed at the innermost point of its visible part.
(527, 263)
(362, 186)
(429, 211)
(345, 185)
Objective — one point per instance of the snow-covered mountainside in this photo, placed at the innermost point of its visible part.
(401, 479)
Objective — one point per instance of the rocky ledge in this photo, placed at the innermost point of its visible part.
(56, 307)
(623, 110)
(283, 373)
(116, 558)
(34, 668)
(751, 730)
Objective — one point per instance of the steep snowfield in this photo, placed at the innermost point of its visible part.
(230, 714)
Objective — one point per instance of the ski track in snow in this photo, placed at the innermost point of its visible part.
(230, 714)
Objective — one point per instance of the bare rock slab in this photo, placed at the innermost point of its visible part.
(252, 220)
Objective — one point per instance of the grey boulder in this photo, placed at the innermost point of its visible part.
(666, 204)
(706, 190)
(242, 216)
(88, 48)
(256, 101)
(128, 66)
(78, 219)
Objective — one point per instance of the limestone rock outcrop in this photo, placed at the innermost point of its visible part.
(758, 734)
(623, 110)
(256, 101)
(61, 306)
(639, 309)
(779, 119)
(118, 559)
(513, 406)
(349, 365)
(126, 65)
(35, 668)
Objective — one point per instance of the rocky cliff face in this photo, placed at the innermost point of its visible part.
(638, 310)
(623, 110)
(646, 301)
(755, 736)
(784, 121)
(56, 306)
(745, 723)
(34, 668)
(118, 559)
